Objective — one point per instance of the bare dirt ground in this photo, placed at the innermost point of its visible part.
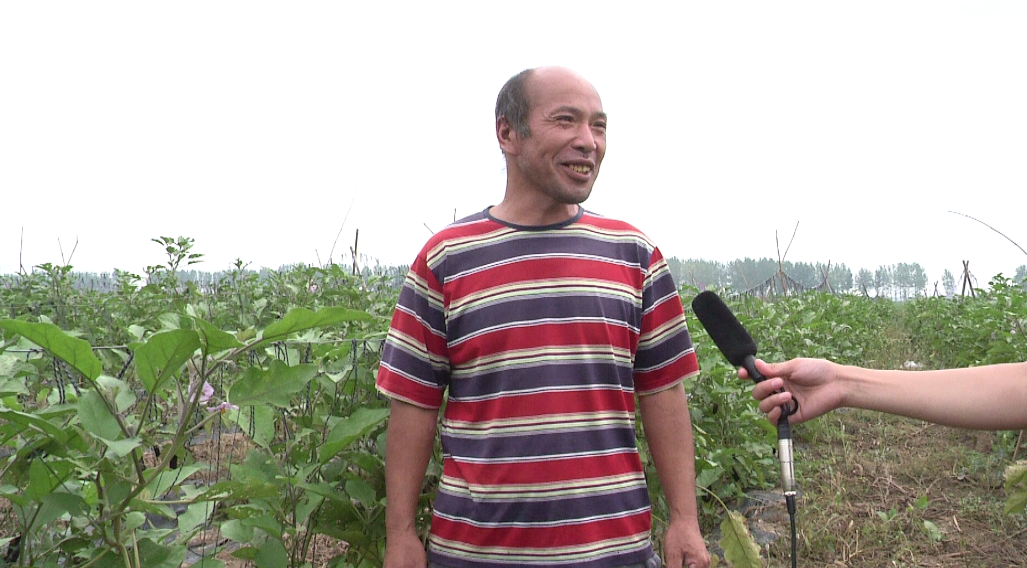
(879, 490)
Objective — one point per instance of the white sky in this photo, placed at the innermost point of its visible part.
(254, 126)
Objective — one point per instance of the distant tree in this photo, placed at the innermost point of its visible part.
(840, 278)
(948, 283)
(882, 281)
(698, 272)
(864, 281)
(918, 277)
(744, 274)
(1021, 275)
(676, 266)
(805, 273)
(902, 281)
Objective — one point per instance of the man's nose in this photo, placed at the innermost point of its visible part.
(585, 140)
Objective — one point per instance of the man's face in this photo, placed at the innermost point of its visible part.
(561, 157)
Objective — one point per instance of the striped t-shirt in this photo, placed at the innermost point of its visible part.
(541, 336)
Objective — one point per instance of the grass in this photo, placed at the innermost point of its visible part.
(880, 490)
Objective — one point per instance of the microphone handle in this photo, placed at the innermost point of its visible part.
(750, 367)
(784, 433)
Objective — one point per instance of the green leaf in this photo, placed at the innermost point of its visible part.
(740, 550)
(73, 351)
(922, 502)
(66, 503)
(51, 509)
(237, 531)
(932, 531)
(9, 381)
(709, 475)
(213, 339)
(300, 319)
(122, 448)
(153, 555)
(361, 491)
(324, 490)
(96, 419)
(271, 554)
(350, 430)
(30, 422)
(258, 420)
(44, 478)
(194, 516)
(247, 553)
(1016, 487)
(168, 478)
(133, 520)
(266, 523)
(250, 489)
(273, 386)
(163, 354)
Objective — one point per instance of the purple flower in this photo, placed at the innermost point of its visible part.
(223, 407)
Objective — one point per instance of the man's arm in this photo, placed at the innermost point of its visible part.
(668, 430)
(408, 449)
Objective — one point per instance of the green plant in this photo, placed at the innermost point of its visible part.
(83, 491)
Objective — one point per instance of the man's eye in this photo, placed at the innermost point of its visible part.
(565, 119)
(600, 125)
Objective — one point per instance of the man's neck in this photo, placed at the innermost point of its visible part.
(531, 215)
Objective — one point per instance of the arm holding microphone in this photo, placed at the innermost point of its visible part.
(989, 397)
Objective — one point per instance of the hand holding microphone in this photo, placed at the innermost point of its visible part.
(812, 380)
(740, 350)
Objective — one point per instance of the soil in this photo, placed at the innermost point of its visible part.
(873, 486)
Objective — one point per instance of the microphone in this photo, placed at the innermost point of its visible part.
(740, 350)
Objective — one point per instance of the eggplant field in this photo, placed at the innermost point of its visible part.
(159, 421)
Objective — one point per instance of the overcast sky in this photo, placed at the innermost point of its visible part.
(255, 127)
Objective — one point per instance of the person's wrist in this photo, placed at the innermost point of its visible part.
(844, 378)
(400, 526)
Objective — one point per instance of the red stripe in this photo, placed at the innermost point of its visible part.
(552, 404)
(544, 335)
(535, 473)
(542, 537)
(554, 269)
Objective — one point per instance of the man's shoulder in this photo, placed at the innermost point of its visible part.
(468, 226)
(469, 229)
(611, 224)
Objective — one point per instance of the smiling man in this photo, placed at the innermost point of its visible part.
(539, 323)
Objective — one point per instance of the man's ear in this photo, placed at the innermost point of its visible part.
(507, 136)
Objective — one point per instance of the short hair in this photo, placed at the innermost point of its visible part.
(513, 103)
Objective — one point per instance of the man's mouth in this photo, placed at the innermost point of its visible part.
(581, 169)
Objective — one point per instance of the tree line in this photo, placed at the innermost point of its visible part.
(901, 281)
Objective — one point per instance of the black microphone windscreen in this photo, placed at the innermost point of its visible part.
(724, 328)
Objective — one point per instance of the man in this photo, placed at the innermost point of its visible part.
(542, 321)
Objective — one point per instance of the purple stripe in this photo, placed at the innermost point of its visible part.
(540, 444)
(636, 559)
(629, 252)
(403, 361)
(661, 287)
(671, 348)
(545, 307)
(544, 375)
(570, 509)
